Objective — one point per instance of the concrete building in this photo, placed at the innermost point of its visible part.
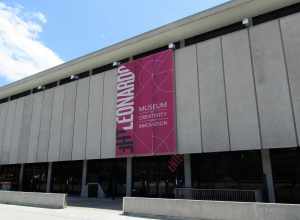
(237, 84)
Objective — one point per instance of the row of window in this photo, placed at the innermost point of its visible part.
(186, 42)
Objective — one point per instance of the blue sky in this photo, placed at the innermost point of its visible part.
(56, 31)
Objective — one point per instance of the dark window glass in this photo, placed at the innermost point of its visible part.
(276, 14)
(215, 33)
(83, 75)
(50, 85)
(3, 100)
(227, 170)
(102, 69)
(35, 177)
(152, 177)
(66, 80)
(286, 174)
(150, 52)
(9, 177)
(19, 95)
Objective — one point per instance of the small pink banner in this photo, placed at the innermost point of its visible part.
(145, 113)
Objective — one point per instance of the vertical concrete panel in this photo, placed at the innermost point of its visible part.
(25, 130)
(242, 109)
(273, 98)
(2, 120)
(68, 122)
(212, 96)
(56, 121)
(8, 133)
(94, 117)
(108, 141)
(81, 114)
(13, 156)
(187, 101)
(35, 126)
(3, 127)
(43, 144)
(290, 27)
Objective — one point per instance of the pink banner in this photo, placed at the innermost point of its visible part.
(145, 113)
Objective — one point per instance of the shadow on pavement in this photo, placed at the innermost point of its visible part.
(95, 203)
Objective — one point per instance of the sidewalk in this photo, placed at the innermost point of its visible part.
(78, 209)
(12, 212)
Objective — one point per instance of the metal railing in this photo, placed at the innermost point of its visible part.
(219, 194)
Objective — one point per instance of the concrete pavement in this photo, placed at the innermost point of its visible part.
(13, 212)
(78, 209)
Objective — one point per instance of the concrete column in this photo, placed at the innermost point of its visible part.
(21, 174)
(128, 176)
(268, 176)
(187, 171)
(49, 175)
(84, 192)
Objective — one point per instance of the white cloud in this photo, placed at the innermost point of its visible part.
(21, 52)
(40, 16)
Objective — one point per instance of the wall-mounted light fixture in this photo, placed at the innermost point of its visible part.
(171, 46)
(73, 77)
(247, 22)
(116, 63)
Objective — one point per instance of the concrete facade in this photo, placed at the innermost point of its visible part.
(240, 91)
(25, 131)
(94, 117)
(187, 103)
(274, 104)
(80, 124)
(67, 127)
(234, 92)
(55, 132)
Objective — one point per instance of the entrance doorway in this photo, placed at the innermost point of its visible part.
(153, 177)
(110, 175)
(66, 177)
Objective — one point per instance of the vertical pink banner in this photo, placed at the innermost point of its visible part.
(145, 113)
